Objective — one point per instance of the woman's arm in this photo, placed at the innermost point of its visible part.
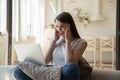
(48, 56)
(74, 55)
(69, 53)
(78, 51)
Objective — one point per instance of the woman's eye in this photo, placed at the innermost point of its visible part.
(62, 26)
(56, 26)
(59, 26)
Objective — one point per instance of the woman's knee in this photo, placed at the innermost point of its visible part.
(72, 67)
(20, 75)
(17, 71)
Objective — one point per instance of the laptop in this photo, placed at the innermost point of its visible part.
(29, 52)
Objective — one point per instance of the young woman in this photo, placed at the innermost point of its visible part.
(65, 50)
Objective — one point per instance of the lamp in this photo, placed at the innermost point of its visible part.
(98, 16)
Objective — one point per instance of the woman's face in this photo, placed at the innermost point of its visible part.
(61, 27)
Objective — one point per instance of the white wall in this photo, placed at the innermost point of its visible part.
(99, 28)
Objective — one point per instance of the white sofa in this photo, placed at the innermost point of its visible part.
(6, 73)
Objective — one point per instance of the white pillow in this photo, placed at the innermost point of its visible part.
(29, 51)
(40, 72)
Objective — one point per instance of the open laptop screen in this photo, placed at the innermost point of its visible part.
(29, 51)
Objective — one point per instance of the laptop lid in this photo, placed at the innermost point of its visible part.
(30, 52)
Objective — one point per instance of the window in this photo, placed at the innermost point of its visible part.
(3, 16)
(28, 19)
(28, 22)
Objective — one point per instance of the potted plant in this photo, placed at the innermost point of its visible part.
(51, 26)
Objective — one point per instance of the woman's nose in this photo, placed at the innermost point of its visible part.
(59, 28)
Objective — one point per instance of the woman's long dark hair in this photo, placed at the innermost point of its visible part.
(65, 17)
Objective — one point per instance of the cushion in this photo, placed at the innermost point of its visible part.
(85, 69)
(39, 71)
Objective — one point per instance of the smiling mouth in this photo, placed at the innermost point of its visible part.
(60, 33)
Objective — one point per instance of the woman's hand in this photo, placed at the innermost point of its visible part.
(68, 35)
(56, 36)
